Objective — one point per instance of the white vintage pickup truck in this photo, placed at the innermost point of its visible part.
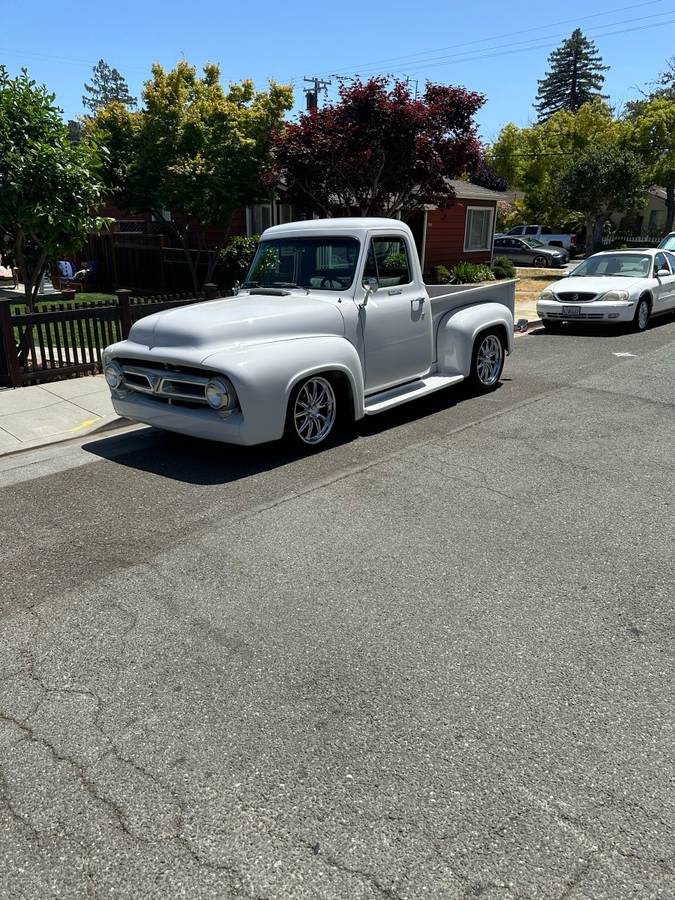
(333, 323)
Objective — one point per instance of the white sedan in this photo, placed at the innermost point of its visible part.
(612, 287)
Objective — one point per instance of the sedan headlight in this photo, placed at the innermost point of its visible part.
(620, 296)
(220, 393)
(113, 374)
(547, 295)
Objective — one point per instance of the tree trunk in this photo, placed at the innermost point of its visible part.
(670, 208)
(590, 230)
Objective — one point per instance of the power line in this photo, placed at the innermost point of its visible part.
(510, 49)
(412, 57)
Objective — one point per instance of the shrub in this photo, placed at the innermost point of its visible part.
(471, 273)
(503, 267)
(394, 261)
(238, 256)
(442, 275)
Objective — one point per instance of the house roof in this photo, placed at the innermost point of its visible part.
(465, 190)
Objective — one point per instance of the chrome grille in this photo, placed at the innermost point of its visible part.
(166, 385)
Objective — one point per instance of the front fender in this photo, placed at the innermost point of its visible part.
(457, 331)
(264, 375)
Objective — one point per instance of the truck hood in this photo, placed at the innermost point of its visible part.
(594, 284)
(238, 321)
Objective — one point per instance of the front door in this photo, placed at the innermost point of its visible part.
(397, 325)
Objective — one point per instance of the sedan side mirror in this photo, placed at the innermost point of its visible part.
(371, 285)
(663, 273)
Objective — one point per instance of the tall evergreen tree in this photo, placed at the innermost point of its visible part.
(107, 86)
(575, 77)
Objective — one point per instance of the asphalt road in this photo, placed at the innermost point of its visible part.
(434, 661)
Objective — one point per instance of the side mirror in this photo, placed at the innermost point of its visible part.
(371, 285)
(662, 273)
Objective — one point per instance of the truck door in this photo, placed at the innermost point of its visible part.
(396, 321)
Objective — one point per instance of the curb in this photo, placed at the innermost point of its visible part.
(111, 423)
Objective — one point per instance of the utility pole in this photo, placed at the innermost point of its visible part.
(312, 93)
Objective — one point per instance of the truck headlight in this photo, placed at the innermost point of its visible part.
(547, 295)
(113, 374)
(220, 394)
(619, 296)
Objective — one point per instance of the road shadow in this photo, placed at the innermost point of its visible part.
(196, 461)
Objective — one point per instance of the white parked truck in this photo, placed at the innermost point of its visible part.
(553, 236)
(333, 322)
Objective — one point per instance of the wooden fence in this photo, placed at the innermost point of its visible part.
(68, 340)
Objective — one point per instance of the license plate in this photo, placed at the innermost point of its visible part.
(571, 311)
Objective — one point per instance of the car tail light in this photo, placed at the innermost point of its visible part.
(573, 240)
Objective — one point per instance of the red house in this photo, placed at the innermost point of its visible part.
(464, 230)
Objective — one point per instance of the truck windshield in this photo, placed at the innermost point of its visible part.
(323, 263)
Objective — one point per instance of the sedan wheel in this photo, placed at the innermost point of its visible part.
(641, 319)
(540, 262)
(311, 412)
(488, 361)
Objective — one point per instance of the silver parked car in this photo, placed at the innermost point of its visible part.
(527, 251)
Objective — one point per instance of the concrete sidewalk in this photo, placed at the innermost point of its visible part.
(56, 411)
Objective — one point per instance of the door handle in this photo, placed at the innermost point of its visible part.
(419, 300)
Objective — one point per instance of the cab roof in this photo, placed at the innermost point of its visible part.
(347, 225)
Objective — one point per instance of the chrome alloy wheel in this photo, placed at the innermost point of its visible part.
(314, 410)
(489, 360)
(642, 315)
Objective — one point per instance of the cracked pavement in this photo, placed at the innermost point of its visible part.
(433, 661)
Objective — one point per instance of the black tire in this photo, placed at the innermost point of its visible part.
(541, 262)
(307, 432)
(484, 349)
(552, 325)
(641, 318)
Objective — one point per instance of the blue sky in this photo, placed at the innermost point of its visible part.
(497, 48)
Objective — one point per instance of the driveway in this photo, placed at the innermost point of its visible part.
(434, 661)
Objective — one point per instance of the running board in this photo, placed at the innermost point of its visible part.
(378, 403)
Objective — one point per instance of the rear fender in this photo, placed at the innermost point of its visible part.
(457, 332)
(264, 375)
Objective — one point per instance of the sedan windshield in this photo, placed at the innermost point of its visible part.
(326, 263)
(623, 265)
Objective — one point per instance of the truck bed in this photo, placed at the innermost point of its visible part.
(447, 297)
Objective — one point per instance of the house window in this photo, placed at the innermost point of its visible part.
(264, 215)
(478, 229)
(259, 218)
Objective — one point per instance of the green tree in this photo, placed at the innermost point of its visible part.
(575, 77)
(599, 180)
(195, 152)
(653, 136)
(107, 86)
(531, 159)
(48, 185)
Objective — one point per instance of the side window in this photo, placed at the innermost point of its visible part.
(671, 259)
(500, 243)
(531, 229)
(387, 261)
(517, 230)
(660, 262)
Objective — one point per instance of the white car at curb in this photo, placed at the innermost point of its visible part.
(334, 322)
(617, 286)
